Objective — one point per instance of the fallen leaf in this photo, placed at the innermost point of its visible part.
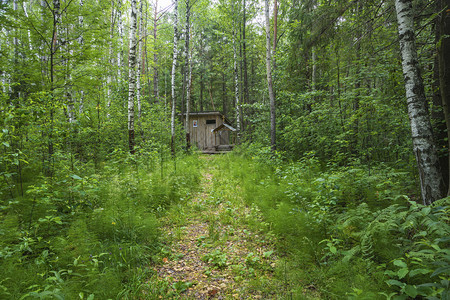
(212, 293)
(165, 260)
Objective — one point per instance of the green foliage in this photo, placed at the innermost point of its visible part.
(88, 233)
(338, 227)
(216, 258)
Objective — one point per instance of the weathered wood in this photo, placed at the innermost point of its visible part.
(203, 136)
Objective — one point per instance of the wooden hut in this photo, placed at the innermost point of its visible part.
(210, 131)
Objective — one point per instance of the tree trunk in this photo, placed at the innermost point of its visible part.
(132, 76)
(81, 43)
(155, 55)
(139, 61)
(174, 65)
(437, 114)
(109, 78)
(120, 52)
(444, 66)
(269, 80)
(236, 91)
(187, 73)
(431, 182)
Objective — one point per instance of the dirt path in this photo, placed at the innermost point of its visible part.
(216, 251)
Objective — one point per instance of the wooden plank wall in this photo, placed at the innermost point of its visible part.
(202, 135)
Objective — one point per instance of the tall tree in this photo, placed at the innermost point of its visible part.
(139, 58)
(236, 74)
(132, 76)
(120, 52)
(173, 73)
(188, 73)
(269, 79)
(444, 65)
(431, 182)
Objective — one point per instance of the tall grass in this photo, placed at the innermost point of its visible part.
(91, 233)
(345, 232)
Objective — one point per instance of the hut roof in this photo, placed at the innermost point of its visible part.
(223, 126)
(207, 113)
(204, 113)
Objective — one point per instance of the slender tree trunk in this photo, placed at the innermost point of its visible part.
(269, 80)
(444, 66)
(110, 43)
(81, 43)
(132, 76)
(236, 90)
(120, 52)
(437, 114)
(155, 55)
(139, 60)
(187, 73)
(431, 182)
(174, 65)
(53, 49)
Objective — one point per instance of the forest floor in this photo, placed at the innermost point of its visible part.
(214, 249)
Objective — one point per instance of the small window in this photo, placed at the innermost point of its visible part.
(211, 121)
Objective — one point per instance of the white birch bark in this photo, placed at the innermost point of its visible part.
(120, 52)
(269, 80)
(174, 65)
(25, 10)
(188, 69)
(139, 60)
(68, 53)
(81, 42)
(236, 90)
(155, 54)
(132, 75)
(431, 182)
(111, 60)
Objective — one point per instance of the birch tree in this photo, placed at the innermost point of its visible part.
(269, 79)
(174, 65)
(188, 73)
(431, 182)
(236, 74)
(132, 76)
(120, 52)
(139, 59)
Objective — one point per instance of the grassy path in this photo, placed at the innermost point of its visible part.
(216, 250)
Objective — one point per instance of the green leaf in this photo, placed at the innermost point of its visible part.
(426, 211)
(395, 282)
(76, 177)
(6, 144)
(440, 270)
(402, 273)
(267, 254)
(91, 297)
(333, 249)
(411, 291)
(390, 273)
(400, 263)
(418, 271)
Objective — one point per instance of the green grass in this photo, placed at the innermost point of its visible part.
(338, 229)
(92, 233)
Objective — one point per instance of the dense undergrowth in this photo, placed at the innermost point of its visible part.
(90, 232)
(346, 232)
